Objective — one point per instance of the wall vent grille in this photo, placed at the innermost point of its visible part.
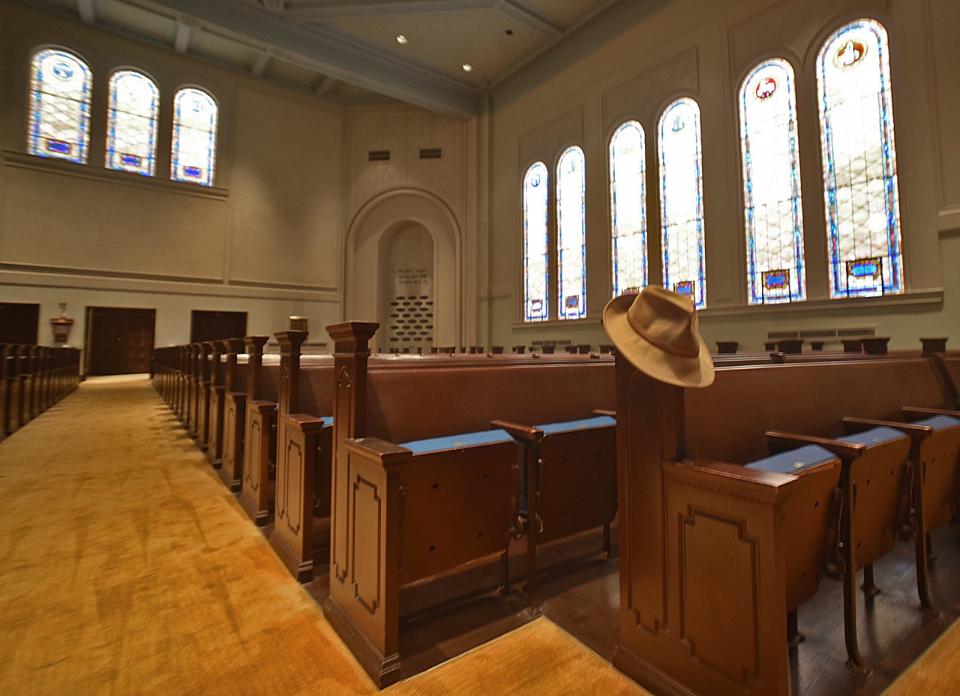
(431, 153)
(378, 156)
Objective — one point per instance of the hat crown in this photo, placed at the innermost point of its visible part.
(667, 320)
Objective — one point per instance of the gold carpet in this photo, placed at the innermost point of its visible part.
(127, 568)
(937, 671)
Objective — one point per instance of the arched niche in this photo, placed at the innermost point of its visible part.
(406, 302)
(368, 244)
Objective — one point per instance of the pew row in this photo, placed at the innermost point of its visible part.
(32, 379)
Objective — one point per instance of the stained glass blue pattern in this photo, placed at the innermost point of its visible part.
(681, 200)
(194, 151)
(628, 208)
(572, 234)
(770, 157)
(132, 123)
(60, 90)
(859, 160)
(535, 243)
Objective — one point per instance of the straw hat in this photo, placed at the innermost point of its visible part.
(659, 333)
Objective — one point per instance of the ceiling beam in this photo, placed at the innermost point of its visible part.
(341, 9)
(181, 40)
(524, 15)
(325, 85)
(87, 10)
(332, 53)
(260, 63)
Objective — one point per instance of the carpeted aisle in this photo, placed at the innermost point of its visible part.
(127, 568)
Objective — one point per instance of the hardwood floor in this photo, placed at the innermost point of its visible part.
(579, 591)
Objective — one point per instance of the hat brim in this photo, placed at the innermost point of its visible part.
(651, 360)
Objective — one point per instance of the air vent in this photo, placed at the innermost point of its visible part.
(431, 153)
(378, 156)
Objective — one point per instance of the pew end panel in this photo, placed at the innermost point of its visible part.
(231, 461)
(300, 473)
(364, 602)
(258, 453)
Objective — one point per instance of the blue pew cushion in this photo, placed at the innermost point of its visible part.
(792, 461)
(459, 441)
(582, 424)
(327, 420)
(873, 436)
(939, 422)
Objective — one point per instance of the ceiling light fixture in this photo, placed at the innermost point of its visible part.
(401, 39)
(467, 67)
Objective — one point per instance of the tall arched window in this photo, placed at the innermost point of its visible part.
(60, 88)
(572, 234)
(681, 200)
(194, 152)
(859, 162)
(132, 123)
(628, 208)
(536, 237)
(771, 184)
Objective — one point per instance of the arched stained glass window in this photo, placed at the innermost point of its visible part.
(194, 150)
(771, 184)
(132, 123)
(572, 234)
(535, 243)
(681, 201)
(859, 162)
(60, 88)
(628, 208)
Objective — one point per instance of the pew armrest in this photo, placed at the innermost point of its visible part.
(916, 433)
(518, 430)
(388, 455)
(916, 411)
(733, 479)
(845, 450)
(305, 422)
(605, 412)
(263, 407)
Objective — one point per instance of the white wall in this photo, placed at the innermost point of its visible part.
(642, 56)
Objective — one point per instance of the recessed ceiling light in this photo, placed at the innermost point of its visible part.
(401, 39)
(467, 67)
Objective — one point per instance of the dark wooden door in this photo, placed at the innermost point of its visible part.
(212, 326)
(19, 322)
(119, 340)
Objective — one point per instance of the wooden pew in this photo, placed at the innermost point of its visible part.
(398, 498)
(260, 436)
(25, 380)
(302, 509)
(216, 390)
(745, 556)
(234, 414)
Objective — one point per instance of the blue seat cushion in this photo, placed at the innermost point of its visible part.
(582, 424)
(327, 420)
(873, 436)
(792, 461)
(459, 441)
(939, 422)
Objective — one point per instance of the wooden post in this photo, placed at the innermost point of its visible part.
(234, 419)
(215, 412)
(259, 422)
(203, 395)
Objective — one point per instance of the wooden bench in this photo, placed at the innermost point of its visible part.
(235, 386)
(32, 379)
(259, 432)
(747, 533)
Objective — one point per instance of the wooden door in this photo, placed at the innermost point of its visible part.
(19, 322)
(213, 326)
(119, 340)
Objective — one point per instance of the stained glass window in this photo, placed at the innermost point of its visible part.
(681, 201)
(628, 208)
(194, 137)
(132, 123)
(535, 243)
(859, 162)
(771, 184)
(60, 87)
(572, 234)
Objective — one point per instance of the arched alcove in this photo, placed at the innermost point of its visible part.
(391, 229)
(406, 302)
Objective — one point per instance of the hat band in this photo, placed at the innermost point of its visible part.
(662, 345)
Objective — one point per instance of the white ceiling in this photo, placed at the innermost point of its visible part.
(346, 50)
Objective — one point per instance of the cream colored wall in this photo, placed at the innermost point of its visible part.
(265, 240)
(703, 48)
(268, 239)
